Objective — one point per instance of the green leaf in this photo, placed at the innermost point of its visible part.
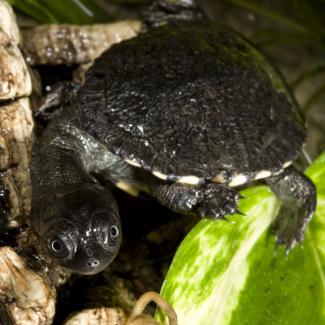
(230, 273)
(294, 21)
(61, 11)
(299, 15)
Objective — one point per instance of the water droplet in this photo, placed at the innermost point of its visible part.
(140, 128)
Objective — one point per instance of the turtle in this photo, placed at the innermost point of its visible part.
(188, 111)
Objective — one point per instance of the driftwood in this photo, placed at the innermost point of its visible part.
(72, 44)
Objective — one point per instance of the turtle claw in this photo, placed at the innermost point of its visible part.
(240, 213)
(206, 211)
(213, 201)
(218, 202)
(287, 235)
(224, 218)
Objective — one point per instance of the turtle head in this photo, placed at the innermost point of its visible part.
(80, 228)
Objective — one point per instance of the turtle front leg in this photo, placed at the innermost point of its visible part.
(210, 201)
(298, 196)
(61, 96)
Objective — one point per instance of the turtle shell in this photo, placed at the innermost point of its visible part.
(191, 102)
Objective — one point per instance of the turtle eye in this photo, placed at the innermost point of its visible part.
(109, 237)
(107, 231)
(114, 232)
(60, 247)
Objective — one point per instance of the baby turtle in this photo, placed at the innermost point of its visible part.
(188, 112)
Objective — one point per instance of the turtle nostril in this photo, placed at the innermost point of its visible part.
(93, 263)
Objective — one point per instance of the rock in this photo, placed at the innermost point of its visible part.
(27, 297)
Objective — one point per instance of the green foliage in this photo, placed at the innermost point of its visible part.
(61, 11)
(230, 273)
(298, 17)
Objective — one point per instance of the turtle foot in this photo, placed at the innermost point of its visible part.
(218, 202)
(298, 197)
